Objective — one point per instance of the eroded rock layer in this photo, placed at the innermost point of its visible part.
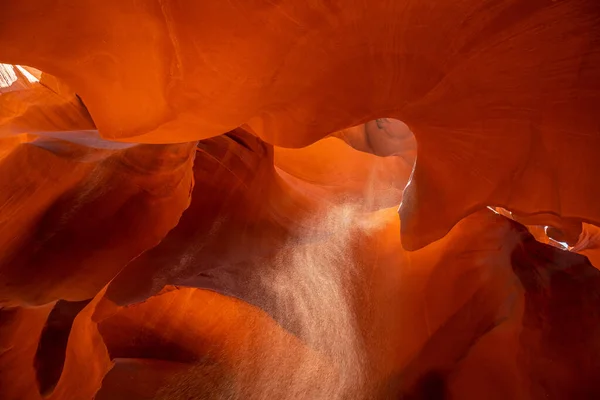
(200, 200)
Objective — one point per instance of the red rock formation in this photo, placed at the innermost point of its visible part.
(72, 221)
(198, 199)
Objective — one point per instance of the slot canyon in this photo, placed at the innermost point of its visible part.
(290, 200)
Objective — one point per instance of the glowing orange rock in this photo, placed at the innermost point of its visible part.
(19, 335)
(474, 118)
(338, 174)
(73, 220)
(589, 244)
(115, 284)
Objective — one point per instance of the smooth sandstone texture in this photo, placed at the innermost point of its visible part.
(501, 95)
(493, 315)
(198, 199)
(74, 208)
(69, 225)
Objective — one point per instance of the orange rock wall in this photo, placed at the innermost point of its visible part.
(200, 199)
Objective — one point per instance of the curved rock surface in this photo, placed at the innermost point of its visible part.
(200, 200)
(499, 94)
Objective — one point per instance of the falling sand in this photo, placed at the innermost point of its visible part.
(312, 284)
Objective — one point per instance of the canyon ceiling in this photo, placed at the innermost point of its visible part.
(285, 199)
